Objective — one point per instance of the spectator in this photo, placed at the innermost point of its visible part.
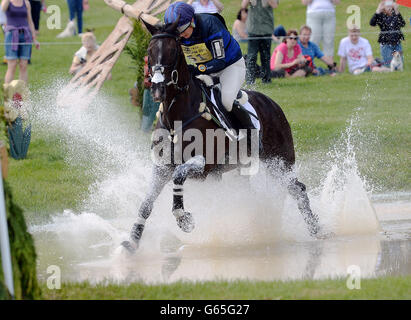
(206, 6)
(287, 59)
(313, 51)
(240, 32)
(19, 35)
(89, 47)
(279, 34)
(390, 21)
(35, 13)
(75, 10)
(3, 22)
(321, 19)
(357, 52)
(260, 26)
(149, 106)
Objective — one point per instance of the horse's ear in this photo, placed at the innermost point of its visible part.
(152, 29)
(172, 28)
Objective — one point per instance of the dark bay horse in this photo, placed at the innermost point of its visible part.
(181, 96)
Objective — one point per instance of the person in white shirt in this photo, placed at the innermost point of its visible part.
(206, 6)
(357, 52)
(322, 21)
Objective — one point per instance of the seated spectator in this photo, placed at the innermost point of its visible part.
(357, 52)
(84, 53)
(206, 6)
(240, 32)
(279, 34)
(313, 51)
(390, 21)
(287, 59)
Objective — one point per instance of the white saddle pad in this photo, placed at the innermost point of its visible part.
(247, 106)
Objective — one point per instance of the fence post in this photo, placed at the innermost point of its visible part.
(4, 233)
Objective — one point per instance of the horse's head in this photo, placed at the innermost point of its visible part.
(164, 55)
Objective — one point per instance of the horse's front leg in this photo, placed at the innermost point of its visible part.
(194, 166)
(298, 191)
(160, 176)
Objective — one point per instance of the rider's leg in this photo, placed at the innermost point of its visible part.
(231, 80)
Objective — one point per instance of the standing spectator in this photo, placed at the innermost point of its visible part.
(206, 6)
(358, 53)
(287, 59)
(75, 10)
(240, 32)
(390, 21)
(260, 26)
(35, 13)
(321, 19)
(313, 51)
(19, 35)
(3, 22)
(149, 106)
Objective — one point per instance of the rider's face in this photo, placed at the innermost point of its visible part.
(187, 32)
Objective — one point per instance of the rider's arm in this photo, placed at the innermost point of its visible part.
(217, 39)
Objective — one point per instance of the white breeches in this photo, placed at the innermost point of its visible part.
(231, 81)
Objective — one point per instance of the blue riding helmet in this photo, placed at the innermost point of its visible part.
(182, 9)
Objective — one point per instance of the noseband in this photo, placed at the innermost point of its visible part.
(158, 69)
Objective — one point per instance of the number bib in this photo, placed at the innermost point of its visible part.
(197, 53)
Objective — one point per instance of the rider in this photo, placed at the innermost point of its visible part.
(208, 44)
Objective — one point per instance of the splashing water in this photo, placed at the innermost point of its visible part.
(234, 213)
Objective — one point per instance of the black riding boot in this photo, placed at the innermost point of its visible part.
(242, 116)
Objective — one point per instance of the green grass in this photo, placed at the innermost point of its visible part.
(382, 288)
(318, 109)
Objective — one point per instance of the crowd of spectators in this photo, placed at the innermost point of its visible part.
(295, 54)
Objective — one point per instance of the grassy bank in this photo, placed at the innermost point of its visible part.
(382, 288)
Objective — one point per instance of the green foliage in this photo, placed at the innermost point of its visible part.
(23, 252)
(137, 49)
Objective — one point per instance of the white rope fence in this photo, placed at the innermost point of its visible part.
(56, 43)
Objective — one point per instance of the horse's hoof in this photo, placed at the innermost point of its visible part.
(130, 246)
(186, 222)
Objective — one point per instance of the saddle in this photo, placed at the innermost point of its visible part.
(238, 117)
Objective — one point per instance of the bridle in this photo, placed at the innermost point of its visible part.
(157, 71)
(158, 77)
